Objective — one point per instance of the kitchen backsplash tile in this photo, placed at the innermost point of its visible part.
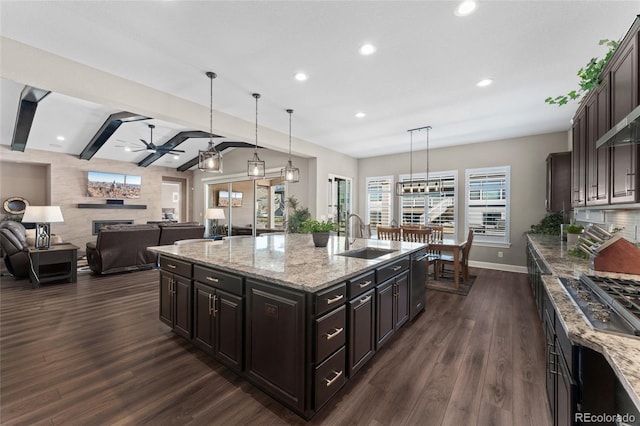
(627, 220)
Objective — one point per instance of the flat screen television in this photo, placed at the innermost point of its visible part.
(223, 199)
(113, 185)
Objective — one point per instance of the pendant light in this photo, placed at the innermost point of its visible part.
(290, 173)
(210, 160)
(255, 166)
(411, 186)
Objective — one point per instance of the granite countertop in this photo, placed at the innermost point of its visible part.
(290, 260)
(622, 353)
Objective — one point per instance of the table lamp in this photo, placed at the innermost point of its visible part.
(215, 214)
(43, 216)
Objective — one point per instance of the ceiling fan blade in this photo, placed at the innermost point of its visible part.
(176, 150)
(148, 145)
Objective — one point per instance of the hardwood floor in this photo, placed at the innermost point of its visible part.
(96, 353)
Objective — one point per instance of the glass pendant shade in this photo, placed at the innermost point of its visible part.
(255, 167)
(210, 160)
(289, 173)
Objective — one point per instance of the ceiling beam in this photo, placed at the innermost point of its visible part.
(29, 98)
(107, 130)
(172, 144)
(220, 147)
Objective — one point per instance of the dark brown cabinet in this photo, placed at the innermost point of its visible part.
(218, 320)
(275, 341)
(175, 296)
(392, 307)
(361, 330)
(558, 182)
(579, 159)
(598, 122)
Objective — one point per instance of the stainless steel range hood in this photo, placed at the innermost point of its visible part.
(624, 133)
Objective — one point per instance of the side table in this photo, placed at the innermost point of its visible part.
(60, 262)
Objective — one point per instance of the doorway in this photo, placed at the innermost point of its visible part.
(339, 200)
(173, 199)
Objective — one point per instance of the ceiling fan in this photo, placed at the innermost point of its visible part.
(152, 148)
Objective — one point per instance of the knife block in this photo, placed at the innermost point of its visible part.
(617, 255)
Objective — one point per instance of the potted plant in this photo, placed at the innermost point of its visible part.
(573, 232)
(297, 215)
(319, 230)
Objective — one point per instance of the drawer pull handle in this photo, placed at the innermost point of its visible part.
(364, 284)
(365, 299)
(396, 268)
(335, 299)
(170, 266)
(215, 280)
(335, 333)
(337, 374)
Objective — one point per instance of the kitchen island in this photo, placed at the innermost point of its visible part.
(587, 348)
(295, 320)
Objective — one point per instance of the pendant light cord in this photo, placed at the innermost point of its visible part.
(290, 111)
(257, 96)
(211, 111)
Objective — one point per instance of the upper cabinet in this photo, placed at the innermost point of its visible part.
(608, 174)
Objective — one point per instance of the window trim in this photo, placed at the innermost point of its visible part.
(391, 198)
(504, 241)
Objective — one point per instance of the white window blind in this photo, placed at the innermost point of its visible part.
(441, 200)
(487, 206)
(379, 201)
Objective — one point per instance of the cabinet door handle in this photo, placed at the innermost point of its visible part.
(365, 299)
(210, 304)
(170, 266)
(215, 299)
(330, 336)
(335, 299)
(396, 268)
(364, 284)
(213, 279)
(330, 381)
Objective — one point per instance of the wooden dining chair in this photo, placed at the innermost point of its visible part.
(415, 234)
(448, 260)
(388, 233)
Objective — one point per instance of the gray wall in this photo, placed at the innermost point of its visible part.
(526, 156)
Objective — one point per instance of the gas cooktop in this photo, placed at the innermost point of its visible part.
(610, 304)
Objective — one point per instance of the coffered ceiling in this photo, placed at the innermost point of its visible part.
(424, 71)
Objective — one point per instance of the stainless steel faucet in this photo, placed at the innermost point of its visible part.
(347, 237)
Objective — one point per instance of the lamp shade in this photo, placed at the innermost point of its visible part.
(215, 213)
(42, 214)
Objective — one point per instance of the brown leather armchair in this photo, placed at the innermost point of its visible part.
(122, 248)
(13, 239)
(172, 232)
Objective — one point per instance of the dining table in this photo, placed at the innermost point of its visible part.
(453, 245)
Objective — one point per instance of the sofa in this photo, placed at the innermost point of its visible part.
(13, 240)
(171, 232)
(121, 248)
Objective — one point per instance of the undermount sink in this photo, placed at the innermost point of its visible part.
(366, 253)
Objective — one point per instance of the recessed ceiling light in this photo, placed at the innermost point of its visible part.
(367, 49)
(466, 7)
(127, 148)
(360, 114)
(176, 157)
(60, 138)
(484, 83)
(300, 76)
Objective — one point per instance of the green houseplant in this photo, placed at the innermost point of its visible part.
(319, 230)
(588, 75)
(296, 215)
(573, 232)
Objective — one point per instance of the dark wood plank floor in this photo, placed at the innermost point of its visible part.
(96, 353)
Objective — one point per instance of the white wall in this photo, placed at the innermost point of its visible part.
(526, 156)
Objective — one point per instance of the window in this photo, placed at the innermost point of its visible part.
(441, 201)
(487, 206)
(379, 202)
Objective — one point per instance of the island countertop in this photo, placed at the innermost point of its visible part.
(622, 352)
(290, 260)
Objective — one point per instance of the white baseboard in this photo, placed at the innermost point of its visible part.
(498, 266)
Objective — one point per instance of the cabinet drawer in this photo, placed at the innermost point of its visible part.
(329, 299)
(391, 269)
(329, 377)
(360, 284)
(175, 266)
(222, 280)
(330, 332)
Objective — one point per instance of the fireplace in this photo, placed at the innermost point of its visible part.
(97, 224)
